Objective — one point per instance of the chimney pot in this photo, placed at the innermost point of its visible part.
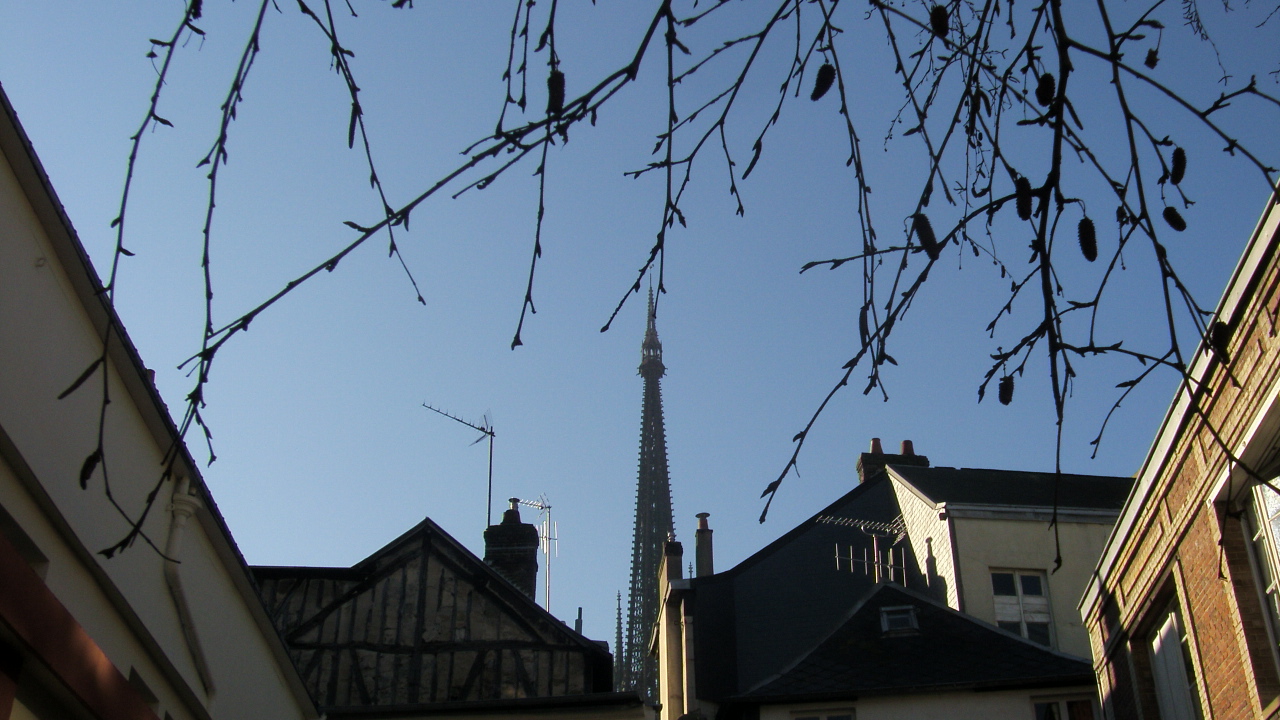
(702, 547)
(872, 463)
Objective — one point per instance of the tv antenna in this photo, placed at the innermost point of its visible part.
(894, 531)
(486, 428)
(547, 535)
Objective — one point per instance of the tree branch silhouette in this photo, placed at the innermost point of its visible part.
(994, 118)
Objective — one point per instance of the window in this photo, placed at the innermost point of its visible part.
(1022, 604)
(1171, 669)
(1080, 708)
(834, 714)
(898, 620)
(1263, 524)
(1250, 548)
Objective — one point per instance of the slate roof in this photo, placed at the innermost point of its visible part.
(786, 597)
(1012, 487)
(951, 651)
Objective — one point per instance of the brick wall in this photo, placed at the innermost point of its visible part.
(1182, 538)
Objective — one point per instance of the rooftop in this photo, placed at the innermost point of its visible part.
(966, 486)
(948, 651)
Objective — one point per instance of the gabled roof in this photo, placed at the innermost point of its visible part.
(966, 486)
(786, 597)
(423, 622)
(950, 651)
(867, 500)
(411, 541)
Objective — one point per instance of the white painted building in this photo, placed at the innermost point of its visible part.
(136, 635)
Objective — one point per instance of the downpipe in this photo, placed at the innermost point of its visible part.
(183, 506)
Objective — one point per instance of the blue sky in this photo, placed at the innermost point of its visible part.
(324, 450)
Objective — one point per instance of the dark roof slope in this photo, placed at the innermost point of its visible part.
(1012, 487)
(951, 651)
(784, 599)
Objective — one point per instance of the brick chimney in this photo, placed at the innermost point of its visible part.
(872, 463)
(511, 548)
(702, 557)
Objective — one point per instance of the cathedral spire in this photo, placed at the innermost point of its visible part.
(653, 526)
(651, 349)
(619, 665)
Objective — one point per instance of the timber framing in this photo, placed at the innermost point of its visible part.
(423, 623)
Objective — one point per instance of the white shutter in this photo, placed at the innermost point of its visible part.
(1007, 609)
(1170, 672)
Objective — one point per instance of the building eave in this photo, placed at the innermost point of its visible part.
(1240, 290)
(1037, 513)
(18, 150)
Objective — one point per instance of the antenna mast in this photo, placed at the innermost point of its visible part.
(894, 531)
(486, 427)
(547, 534)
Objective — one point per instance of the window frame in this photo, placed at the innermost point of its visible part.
(831, 713)
(1060, 704)
(1018, 574)
(907, 611)
(1264, 558)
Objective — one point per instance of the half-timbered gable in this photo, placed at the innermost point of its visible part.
(423, 620)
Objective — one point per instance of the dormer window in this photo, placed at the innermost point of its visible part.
(899, 620)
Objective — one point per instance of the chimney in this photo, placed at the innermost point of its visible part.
(702, 547)
(511, 548)
(672, 553)
(872, 463)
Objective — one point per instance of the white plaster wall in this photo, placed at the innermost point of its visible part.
(1028, 545)
(76, 588)
(48, 340)
(1001, 705)
(926, 533)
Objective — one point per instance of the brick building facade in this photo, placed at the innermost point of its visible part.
(1182, 613)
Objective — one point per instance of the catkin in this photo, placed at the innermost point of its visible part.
(1175, 220)
(924, 233)
(822, 83)
(938, 21)
(1179, 168)
(555, 93)
(1022, 194)
(1006, 389)
(1088, 239)
(1045, 89)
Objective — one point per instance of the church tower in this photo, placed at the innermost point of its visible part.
(636, 669)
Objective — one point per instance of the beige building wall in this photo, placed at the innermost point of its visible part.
(931, 543)
(997, 705)
(984, 545)
(124, 603)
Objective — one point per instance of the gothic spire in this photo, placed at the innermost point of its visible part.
(651, 349)
(653, 525)
(620, 679)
